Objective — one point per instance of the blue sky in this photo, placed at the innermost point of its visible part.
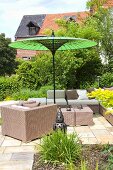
(12, 11)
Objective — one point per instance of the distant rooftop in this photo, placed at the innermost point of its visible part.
(23, 30)
(45, 21)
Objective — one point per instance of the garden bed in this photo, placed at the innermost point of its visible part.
(92, 154)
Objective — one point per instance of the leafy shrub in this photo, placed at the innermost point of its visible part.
(8, 85)
(87, 85)
(106, 80)
(24, 94)
(39, 73)
(108, 151)
(43, 90)
(60, 148)
(26, 75)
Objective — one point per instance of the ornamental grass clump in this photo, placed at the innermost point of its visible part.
(60, 148)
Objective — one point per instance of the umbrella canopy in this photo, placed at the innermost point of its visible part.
(46, 43)
(52, 44)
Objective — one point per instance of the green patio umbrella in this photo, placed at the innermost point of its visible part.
(52, 44)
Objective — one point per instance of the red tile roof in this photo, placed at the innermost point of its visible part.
(49, 21)
(108, 3)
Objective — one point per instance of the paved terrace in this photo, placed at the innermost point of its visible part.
(16, 155)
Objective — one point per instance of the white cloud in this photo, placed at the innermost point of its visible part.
(12, 11)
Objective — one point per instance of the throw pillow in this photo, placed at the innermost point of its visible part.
(82, 94)
(21, 102)
(71, 94)
(31, 104)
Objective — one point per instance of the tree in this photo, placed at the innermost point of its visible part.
(7, 56)
(91, 65)
(95, 4)
(104, 19)
(39, 73)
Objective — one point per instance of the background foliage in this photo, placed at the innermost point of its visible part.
(7, 57)
(8, 85)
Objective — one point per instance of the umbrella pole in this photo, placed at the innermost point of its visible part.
(54, 75)
(53, 53)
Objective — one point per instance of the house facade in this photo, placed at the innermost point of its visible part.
(35, 25)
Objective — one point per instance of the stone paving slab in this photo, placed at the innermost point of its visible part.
(2, 149)
(105, 140)
(19, 149)
(22, 156)
(101, 132)
(16, 165)
(82, 129)
(1, 140)
(5, 157)
(97, 127)
(86, 140)
(86, 134)
(11, 142)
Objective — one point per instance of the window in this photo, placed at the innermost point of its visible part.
(26, 58)
(70, 18)
(33, 28)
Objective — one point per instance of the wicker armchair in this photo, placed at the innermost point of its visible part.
(27, 124)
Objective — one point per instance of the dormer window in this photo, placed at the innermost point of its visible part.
(70, 18)
(32, 31)
(33, 28)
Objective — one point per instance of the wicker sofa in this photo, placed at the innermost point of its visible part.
(72, 97)
(25, 123)
(60, 97)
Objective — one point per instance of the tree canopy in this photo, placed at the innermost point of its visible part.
(7, 56)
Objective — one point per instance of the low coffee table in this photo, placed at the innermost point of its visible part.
(69, 116)
(84, 116)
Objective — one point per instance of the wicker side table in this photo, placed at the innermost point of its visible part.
(84, 116)
(69, 117)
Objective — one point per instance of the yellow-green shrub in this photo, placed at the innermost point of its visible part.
(104, 96)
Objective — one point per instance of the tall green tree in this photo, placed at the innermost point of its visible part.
(91, 65)
(7, 56)
(104, 19)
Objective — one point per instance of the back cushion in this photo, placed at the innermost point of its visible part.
(71, 94)
(58, 94)
(82, 94)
